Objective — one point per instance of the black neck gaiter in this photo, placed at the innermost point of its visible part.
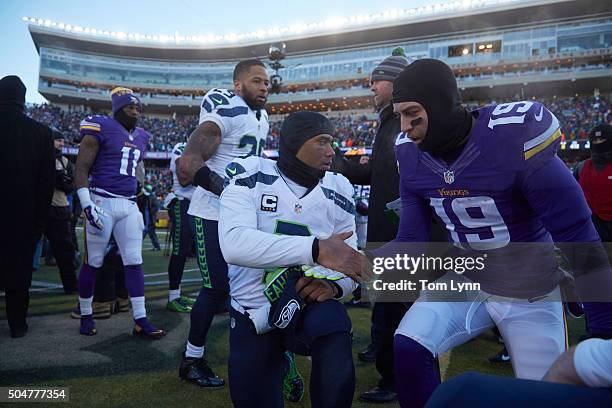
(297, 129)
(432, 84)
(298, 171)
(128, 122)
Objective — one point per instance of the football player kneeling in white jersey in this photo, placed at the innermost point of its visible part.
(282, 230)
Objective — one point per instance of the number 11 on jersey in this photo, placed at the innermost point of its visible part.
(128, 168)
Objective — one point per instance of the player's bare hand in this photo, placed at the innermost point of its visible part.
(314, 290)
(336, 254)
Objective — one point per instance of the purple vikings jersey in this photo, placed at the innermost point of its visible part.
(507, 185)
(114, 170)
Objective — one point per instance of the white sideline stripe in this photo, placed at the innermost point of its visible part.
(51, 287)
(166, 273)
(157, 231)
(149, 246)
(165, 282)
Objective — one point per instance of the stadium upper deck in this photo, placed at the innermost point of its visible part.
(495, 46)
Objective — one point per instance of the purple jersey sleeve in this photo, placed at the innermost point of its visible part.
(558, 202)
(92, 125)
(519, 135)
(415, 217)
(557, 199)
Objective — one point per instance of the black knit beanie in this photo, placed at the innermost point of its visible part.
(297, 129)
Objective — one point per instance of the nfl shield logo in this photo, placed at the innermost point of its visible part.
(131, 137)
(298, 209)
(449, 176)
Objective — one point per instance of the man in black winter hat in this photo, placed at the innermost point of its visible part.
(58, 222)
(27, 169)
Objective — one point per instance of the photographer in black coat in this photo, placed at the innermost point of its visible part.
(27, 171)
(58, 230)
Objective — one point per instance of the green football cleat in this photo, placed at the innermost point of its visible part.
(293, 383)
(177, 306)
(186, 300)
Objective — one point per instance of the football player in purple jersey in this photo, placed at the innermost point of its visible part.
(110, 150)
(492, 177)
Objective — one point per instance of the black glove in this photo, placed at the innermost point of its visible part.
(286, 308)
(209, 180)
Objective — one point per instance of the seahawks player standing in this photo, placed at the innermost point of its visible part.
(232, 124)
(105, 177)
(492, 177)
(182, 238)
(274, 216)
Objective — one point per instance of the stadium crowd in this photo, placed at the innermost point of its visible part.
(161, 180)
(577, 114)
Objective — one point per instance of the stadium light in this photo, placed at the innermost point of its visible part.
(330, 25)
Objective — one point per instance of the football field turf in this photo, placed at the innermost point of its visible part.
(113, 369)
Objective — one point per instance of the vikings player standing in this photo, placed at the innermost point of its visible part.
(492, 177)
(110, 150)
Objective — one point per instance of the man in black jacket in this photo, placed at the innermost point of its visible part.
(148, 204)
(381, 173)
(27, 170)
(58, 223)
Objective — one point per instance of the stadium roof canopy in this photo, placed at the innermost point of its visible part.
(453, 17)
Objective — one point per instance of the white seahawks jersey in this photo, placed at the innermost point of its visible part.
(243, 133)
(263, 225)
(180, 191)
